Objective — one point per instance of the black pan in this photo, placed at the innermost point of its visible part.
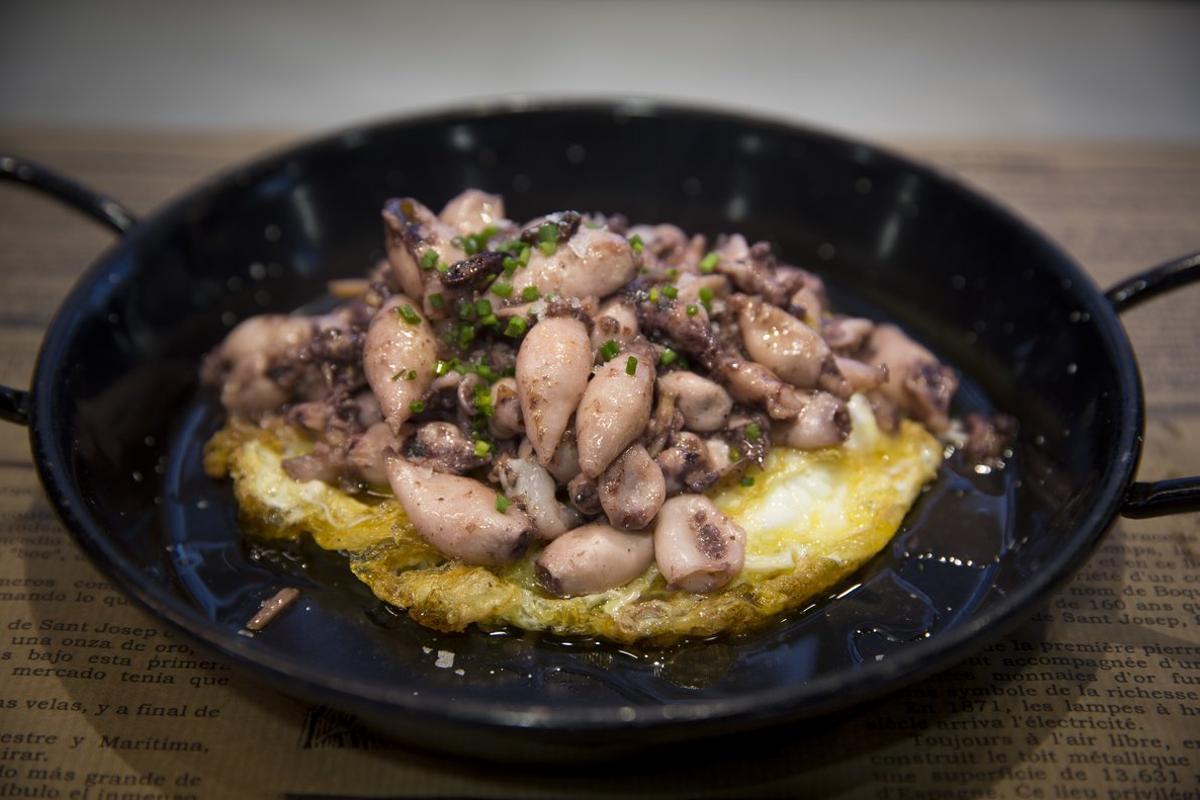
(116, 421)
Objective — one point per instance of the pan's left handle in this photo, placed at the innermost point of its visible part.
(1178, 495)
(14, 403)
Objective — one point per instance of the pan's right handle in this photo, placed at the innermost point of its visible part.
(1180, 495)
(14, 403)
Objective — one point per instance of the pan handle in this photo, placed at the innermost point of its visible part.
(14, 403)
(1180, 495)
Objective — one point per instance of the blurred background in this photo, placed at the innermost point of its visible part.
(1103, 70)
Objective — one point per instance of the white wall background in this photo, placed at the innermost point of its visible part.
(1021, 69)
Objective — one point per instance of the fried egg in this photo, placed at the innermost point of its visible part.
(812, 517)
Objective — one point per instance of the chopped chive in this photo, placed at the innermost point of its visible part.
(636, 243)
(609, 350)
(655, 294)
(416, 406)
(443, 267)
(510, 265)
(466, 310)
(692, 310)
(670, 291)
(510, 246)
(437, 301)
(747, 480)
(523, 256)
(502, 289)
(631, 366)
(547, 248)
(408, 315)
(483, 400)
(429, 259)
(706, 295)
(668, 357)
(411, 375)
(753, 432)
(489, 320)
(466, 335)
(735, 455)
(709, 262)
(482, 448)
(501, 503)
(548, 232)
(441, 367)
(516, 327)
(483, 307)
(477, 242)
(672, 274)
(530, 293)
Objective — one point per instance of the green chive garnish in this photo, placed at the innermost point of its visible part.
(510, 265)
(441, 367)
(692, 310)
(501, 289)
(408, 315)
(670, 291)
(501, 503)
(631, 366)
(548, 232)
(416, 406)
(516, 327)
(654, 295)
(735, 455)
(482, 448)
(483, 307)
(668, 357)
(709, 262)
(609, 350)
(483, 400)
(635, 242)
(530, 293)
(747, 481)
(547, 248)
(437, 301)
(753, 432)
(706, 296)
(523, 256)
(429, 259)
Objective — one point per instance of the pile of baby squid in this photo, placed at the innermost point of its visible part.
(574, 383)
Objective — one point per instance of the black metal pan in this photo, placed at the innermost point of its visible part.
(116, 420)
